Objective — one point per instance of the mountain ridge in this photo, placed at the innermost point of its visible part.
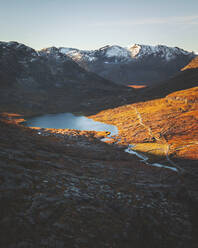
(60, 186)
(30, 79)
(135, 51)
(137, 64)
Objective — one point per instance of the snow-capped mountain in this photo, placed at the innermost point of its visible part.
(124, 54)
(46, 67)
(138, 63)
(43, 80)
(135, 64)
(166, 53)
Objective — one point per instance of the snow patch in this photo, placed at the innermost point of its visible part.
(135, 50)
(164, 52)
(116, 51)
(118, 54)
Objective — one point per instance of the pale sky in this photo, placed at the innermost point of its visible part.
(90, 24)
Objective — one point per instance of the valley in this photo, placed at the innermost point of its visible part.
(62, 187)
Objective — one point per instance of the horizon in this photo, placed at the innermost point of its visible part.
(89, 25)
(97, 48)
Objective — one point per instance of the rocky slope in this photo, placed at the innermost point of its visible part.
(34, 82)
(137, 64)
(65, 188)
(185, 79)
(166, 126)
(192, 65)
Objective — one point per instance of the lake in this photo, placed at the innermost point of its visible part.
(71, 121)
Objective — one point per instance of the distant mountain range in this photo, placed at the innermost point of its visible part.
(67, 188)
(137, 64)
(184, 79)
(67, 79)
(37, 81)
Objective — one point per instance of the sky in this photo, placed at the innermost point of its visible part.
(91, 24)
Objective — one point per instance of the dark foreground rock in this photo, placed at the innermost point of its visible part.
(66, 188)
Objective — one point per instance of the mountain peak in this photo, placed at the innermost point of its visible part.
(162, 51)
(135, 49)
(113, 53)
(116, 51)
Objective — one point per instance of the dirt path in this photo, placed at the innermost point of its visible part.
(166, 148)
(142, 124)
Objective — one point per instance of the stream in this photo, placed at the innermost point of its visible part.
(145, 159)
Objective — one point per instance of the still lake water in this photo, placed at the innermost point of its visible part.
(68, 120)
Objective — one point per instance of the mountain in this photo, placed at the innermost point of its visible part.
(58, 187)
(36, 82)
(139, 63)
(42, 81)
(192, 65)
(185, 79)
(155, 125)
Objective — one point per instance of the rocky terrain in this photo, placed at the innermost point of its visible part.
(159, 126)
(136, 64)
(66, 188)
(185, 79)
(30, 79)
(163, 126)
(192, 65)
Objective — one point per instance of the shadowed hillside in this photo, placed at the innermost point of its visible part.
(170, 121)
(192, 65)
(66, 188)
(34, 82)
(138, 64)
(185, 79)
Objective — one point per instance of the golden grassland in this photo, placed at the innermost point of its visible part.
(167, 125)
(192, 65)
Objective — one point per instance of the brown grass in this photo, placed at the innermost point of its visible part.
(172, 121)
(192, 65)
